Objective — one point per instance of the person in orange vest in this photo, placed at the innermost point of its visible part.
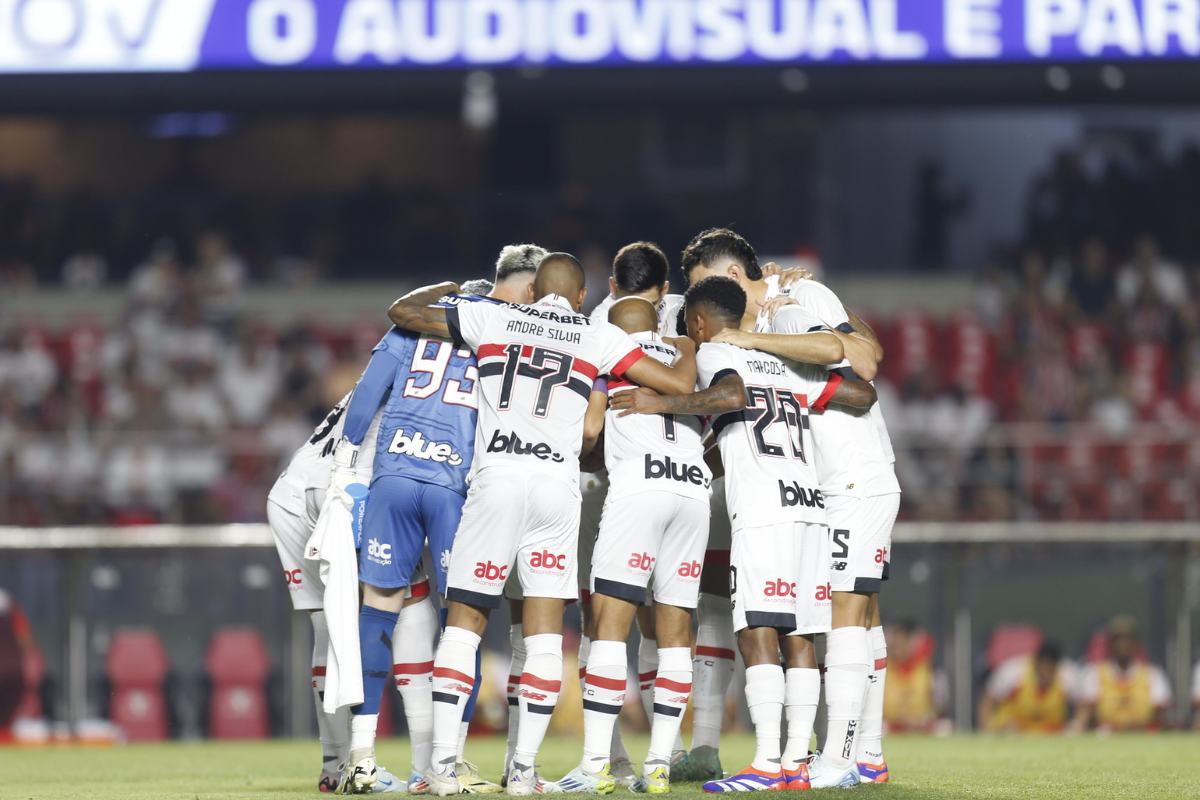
(1124, 692)
(1030, 693)
(915, 695)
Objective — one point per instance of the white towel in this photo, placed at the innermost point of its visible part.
(332, 544)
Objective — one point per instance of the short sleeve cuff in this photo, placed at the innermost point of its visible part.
(827, 394)
(631, 358)
(720, 376)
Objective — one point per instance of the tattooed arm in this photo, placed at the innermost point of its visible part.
(855, 393)
(415, 310)
(727, 394)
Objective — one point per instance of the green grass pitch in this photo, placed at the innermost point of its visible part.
(974, 767)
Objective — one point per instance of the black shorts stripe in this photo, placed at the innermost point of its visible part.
(512, 701)
(477, 599)
(784, 623)
(887, 569)
(666, 710)
(536, 709)
(625, 591)
(603, 708)
(869, 585)
(445, 697)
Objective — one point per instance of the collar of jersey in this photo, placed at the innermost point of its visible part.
(558, 300)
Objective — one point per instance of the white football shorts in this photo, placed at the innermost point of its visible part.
(861, 531)
(659, 534)
(527, 522)
(302, 575)
(720, 535)
(778, 578)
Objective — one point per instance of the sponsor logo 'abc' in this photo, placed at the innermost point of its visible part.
(547, 560)
(293, 577)
(489, 571)
(824, 593)
(780, 588)
(691, 570)
(642, 561)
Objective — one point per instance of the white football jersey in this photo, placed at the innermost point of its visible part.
(854, 451)
(767, 450)
(312, 463)
(668, 313)
(660, 452)
(537, 366)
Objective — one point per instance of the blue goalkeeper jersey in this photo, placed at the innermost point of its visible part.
(427, 432)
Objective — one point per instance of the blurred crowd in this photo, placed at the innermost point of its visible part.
(1069, 389)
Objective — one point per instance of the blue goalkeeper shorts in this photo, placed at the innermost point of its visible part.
(401, 515)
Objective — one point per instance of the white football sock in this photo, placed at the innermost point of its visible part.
(603, 695)
(870, 738)
(412, 666)
(362, 731)
(647, 671)
(453, 682)
(846, 670)
(672, 688)
(334, 729)
(585, 648)
(516, 665)
(800, 699)
(462, 738)
(712, 669)
(764, 696)
(541, 683)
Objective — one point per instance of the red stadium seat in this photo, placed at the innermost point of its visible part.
(237, 665)
(34, 667)
(1010, 641)
(971, 355)
(1173, 499)
(137, 665)
(1146, 364)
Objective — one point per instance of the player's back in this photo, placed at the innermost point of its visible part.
(767, 449)
(428, 428)
(537, 367)
(668, 313)
(645, 452)
(854, 451)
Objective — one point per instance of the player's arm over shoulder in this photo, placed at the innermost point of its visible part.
(855, 393)
(726, 392)
(416, 312)
(677, 379)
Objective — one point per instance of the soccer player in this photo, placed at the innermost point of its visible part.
(423, 456)
(863, 497)
(293, 506)
(653, 531)
(779, 560)
(640, 270)
(1123, 692)
(537, 366)
(1029, 693)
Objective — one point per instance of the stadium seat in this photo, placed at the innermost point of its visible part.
(137, 666)
(237, 664)
(1169, 500)
(1010, 641)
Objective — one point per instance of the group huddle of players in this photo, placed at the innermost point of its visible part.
(713, 454)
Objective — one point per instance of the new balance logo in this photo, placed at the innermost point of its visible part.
(794, 495)
(532, 695)
(415, 446)
(458, 687)
(676, 472)
(512, 444)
